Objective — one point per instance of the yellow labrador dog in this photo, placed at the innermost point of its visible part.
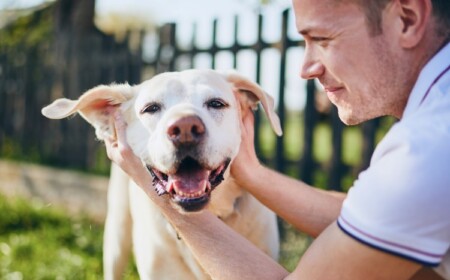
(185, 127)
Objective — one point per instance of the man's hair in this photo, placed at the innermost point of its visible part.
(441, 9)
(374, 8)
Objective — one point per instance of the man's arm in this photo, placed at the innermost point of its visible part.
(335, 255)
(308, 209)
(224, 254)
(221, 251)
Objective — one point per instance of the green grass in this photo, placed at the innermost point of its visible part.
(39, 242)
(293, 245)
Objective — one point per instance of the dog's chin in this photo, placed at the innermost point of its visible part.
(190, 186)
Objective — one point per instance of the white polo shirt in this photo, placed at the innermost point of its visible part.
(401, 203)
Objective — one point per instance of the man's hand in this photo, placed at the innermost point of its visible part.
(246, 163)
(121, 153)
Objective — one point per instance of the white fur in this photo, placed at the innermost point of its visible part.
(132, 219)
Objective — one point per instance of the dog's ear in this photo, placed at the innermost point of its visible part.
(96, 106)
(251, 94)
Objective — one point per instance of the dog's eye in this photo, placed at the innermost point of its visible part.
(151, 108)
(216, 104)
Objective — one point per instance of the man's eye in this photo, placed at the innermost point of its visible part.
(320, 40)
(151, 108)
(216, 104)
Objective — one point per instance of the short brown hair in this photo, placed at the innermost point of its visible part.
(374, 8)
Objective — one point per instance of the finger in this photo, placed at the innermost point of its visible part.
(248, 122)
(120, 127)
(110, 146)
(110, 141)
(249, 117)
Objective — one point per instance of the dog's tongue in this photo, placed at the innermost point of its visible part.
(189, 182)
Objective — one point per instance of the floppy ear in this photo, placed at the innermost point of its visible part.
(96, 106)
(251, 94)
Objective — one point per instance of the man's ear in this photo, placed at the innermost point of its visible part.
(414, 18)
(250, 94)
(96, 106)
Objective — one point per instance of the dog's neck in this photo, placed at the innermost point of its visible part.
(225, 198)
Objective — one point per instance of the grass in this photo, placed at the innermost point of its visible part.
(293, 245)
(40, 242)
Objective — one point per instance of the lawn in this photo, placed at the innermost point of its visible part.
(40, 242)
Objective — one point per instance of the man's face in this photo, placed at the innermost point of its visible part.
(360, 72)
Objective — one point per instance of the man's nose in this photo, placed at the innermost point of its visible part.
(312, 67)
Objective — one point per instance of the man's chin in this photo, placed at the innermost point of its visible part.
(349, 118)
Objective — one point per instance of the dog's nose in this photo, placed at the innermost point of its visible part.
(186, 131)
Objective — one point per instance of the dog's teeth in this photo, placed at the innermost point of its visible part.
(190, 195)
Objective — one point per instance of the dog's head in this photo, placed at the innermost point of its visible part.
(185, 126)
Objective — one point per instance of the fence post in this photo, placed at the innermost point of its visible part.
(165, 56)
(259, 46)
(310, 119)
(280, 160)
(369, 129)
(337, 166)
(214, 48)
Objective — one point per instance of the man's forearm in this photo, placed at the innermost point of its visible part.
(309, 209)
(223, 253)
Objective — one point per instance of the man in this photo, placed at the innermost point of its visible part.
(374, 58)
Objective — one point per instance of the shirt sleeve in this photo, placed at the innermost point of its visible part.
(401, 203)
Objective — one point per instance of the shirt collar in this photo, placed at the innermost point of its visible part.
(432, 69)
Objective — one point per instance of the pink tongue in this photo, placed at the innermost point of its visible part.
(188, 182)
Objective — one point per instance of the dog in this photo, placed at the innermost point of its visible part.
(185, 127)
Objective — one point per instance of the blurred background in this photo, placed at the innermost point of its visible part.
(53, 174)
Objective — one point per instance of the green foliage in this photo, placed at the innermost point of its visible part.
(39, 242)
(29, 31)
(12, 150)
(293, 245)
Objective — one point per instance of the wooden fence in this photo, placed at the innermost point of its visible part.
(47, 55)
(32, 76)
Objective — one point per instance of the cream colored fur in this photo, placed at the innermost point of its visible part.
(133, 222)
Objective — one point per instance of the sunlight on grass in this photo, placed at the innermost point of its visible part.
(39, 242)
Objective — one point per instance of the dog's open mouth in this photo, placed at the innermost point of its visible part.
(191, 185)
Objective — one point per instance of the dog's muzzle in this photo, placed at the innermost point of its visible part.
(191, 185)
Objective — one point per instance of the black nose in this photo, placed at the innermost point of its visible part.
(186, 131)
